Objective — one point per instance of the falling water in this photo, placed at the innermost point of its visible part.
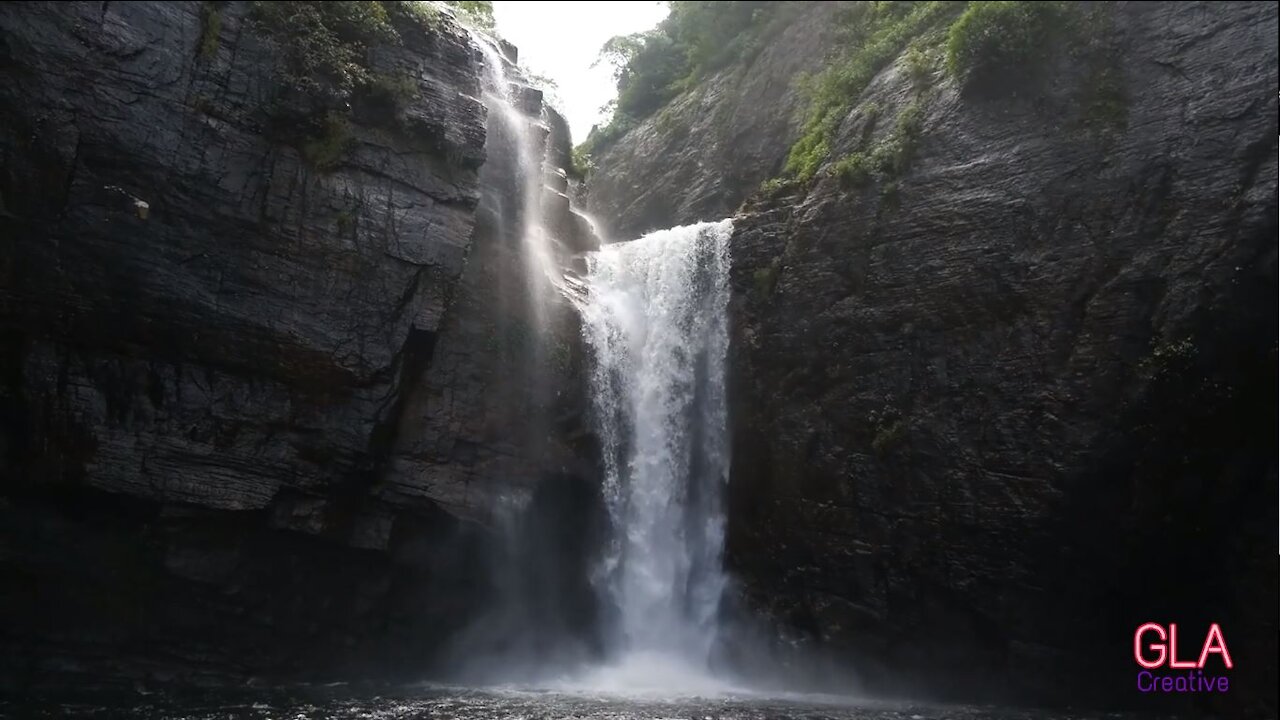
(655, 320)
(531, 616)
(526, 141)
(654, 317)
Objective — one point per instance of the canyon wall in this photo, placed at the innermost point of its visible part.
(706, 150)
(221, 347)
(263, 406)
(993, 412)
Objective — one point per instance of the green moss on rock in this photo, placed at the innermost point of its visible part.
(210, 29)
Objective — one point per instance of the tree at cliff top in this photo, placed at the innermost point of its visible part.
(653, 67)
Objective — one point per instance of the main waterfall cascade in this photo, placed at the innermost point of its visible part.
(655, 323)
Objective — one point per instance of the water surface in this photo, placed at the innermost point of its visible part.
(344, 702)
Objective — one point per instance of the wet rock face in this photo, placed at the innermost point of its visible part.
(986, 424)
(209, 347)
(700, 156)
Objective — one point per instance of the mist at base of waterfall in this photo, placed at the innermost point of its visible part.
(649, 674)
(352, 702)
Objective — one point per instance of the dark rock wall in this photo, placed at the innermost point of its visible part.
(988, 421)
(208, 350)
(986, 427)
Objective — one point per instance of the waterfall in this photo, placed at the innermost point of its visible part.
(653, 315)
(535, 608)
(525, 141)
(655, 322)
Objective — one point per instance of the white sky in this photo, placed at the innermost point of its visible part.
(561, 40)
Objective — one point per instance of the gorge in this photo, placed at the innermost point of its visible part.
(338, 363)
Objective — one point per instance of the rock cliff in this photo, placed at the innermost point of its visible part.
(699, 156)
(991, 414)
(213, 345)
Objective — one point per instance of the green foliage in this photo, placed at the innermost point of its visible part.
(870, 111)
(875, 32)
(426, 15)
(714, 34)
(888, 434)
(580, 165)
(325, 149)
(647, 67)
(853, 170)
(388, 92)
(325, 48)
(775, 186)
(904, 141)
(813, 147)
(601, 137)
(1003, 36)
(423, 14)
(652, 67)
(919, 66)
(325, 44)
(210, 28)
(889, 159)
(766, 278)
(476, 12)
(890, 199)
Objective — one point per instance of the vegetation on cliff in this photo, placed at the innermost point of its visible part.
(697, 38)
(972, 41)
(875, 33)
(326, 61)
(1002, 36)
(979, 40)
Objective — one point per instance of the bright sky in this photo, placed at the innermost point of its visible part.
(561, 40)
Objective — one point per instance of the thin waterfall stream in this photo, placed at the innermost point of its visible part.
(518, 132)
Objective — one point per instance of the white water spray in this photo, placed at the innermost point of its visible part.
(655, 320)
